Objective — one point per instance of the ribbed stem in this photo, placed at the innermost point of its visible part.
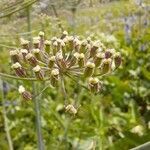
(36, 99)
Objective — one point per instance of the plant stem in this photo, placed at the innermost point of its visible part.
(36, 100)
(17, 78)
(10, 143)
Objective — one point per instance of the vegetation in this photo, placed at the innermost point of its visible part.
(114, 115)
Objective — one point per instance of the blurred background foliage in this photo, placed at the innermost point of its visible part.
(118, 118)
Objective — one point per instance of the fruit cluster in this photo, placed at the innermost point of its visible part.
(64, 56)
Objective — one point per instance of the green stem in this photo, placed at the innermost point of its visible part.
(10, 143)
(17, 78)
(36, 99)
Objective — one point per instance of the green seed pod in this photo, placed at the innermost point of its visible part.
(25, 94)
(70, 44)
(117, 59)
(24, 52)
(36, 42)
(80, 58)
(38, 72)
(77, 44)
(14, 54)
(98, 59)
(55, 47)
(47, 46)
(83, 46)
(37, 53)
(51, 61)
(54, 77)
(94, 85)
(41, 35)
(106, 65)
(25, 44)
(94, 49)
(19, 70)
(89, 69)
(31, 59)
(59, 41)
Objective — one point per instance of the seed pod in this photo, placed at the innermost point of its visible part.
(25, 44)
(25, 94)
(38, 72)
(59, 44)
(83, 46)
(54, 77)
(47, 46)
(93, 50)
(14, 56)
(70, 45)
(77, 44)
(89, 69)
(24, 52)
(117, 59)
(51, 61)
(65, 33)
(55, 47)
(94, 85)
(98, 59)
(37, 53)
(109, 53)
(36, 42)
(19, 70)
(106, 65)
(31, 59)
(41, 35)
(80, 58)
(71, 109)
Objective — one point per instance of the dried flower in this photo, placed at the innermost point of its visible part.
(38, 72)
(89, 69)
(117, 59)
(94, 85)
(31, 59)
(19, 70)
(47, 46)
(37, 53)
(67, 55)
(106, 66)
(14, 54)
(98, 59)
(25, 44)
(51, 61)
(25, 94)
(54, 77)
